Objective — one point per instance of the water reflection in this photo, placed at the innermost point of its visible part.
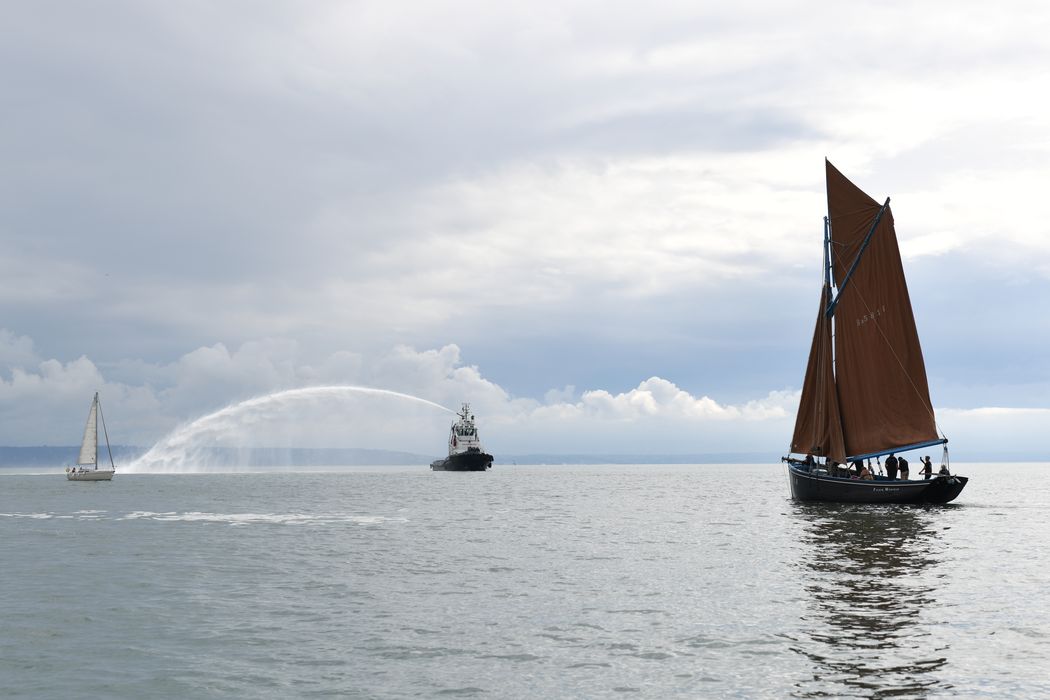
(864, 571)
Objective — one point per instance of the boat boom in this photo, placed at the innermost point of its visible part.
(902, 448)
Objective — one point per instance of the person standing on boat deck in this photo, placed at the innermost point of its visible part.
(891, 467)
(944, 470)
(902, 464)
(927, 467)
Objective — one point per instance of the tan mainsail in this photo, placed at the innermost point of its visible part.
(883, 394)
(879, 390)
(818, 427)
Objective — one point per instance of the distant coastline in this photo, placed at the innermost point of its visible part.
(64, 455)
(56, 455)
(48, 455)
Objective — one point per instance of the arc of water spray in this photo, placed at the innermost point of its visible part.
(165, 452)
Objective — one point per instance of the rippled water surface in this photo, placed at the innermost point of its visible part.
(652, 581)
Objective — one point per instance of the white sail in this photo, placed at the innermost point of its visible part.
(89, 446)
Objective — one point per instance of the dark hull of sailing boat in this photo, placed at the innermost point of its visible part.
(820, 486)
(463, 462)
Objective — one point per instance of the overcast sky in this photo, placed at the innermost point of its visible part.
(599, 222)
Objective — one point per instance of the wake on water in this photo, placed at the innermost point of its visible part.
(183, 449)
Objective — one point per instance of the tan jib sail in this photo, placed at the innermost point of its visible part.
(818, 427)
(89, 445)
(883, 396)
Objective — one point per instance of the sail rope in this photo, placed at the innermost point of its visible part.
(826, 354)
(819, 420)
(105, 433)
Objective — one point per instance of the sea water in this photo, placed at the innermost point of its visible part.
(568, 581)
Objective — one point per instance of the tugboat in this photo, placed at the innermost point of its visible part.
(464, 448)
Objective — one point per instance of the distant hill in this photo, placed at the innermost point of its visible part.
(58, 456)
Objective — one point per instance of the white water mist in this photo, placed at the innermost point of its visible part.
(186, 448)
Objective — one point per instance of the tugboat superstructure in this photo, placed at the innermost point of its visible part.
(465, 453)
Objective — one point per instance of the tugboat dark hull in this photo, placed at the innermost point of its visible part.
(817, 486)
(463, 462)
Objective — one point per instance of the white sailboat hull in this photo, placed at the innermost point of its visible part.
(88, 456)
(91, 475)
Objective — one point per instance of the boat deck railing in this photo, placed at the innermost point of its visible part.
(842, 473)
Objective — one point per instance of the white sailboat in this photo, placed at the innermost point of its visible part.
(86, 468)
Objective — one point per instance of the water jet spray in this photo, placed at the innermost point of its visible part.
(176, 451)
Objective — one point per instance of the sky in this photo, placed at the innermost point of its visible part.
(600, 223)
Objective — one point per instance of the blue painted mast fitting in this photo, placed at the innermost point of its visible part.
(856, 260)
(827, 254)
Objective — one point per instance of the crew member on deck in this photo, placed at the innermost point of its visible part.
(927, 467)
(891, 467)
(902, 463)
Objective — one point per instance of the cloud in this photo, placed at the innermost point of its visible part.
(628, 158)
(16, 352)
(46, 404)
(660, 398)
(574, 197)
(995, 433)
(151, 400)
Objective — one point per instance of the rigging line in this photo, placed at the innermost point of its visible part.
(856, 236)
(826, 353)
(104, 432)
(820, 415)
(826, 359)
(907, 376)
(818, 385)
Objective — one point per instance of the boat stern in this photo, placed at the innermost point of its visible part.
(945, 489)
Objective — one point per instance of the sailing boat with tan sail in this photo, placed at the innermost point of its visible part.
(865, 394)
(86, 468)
